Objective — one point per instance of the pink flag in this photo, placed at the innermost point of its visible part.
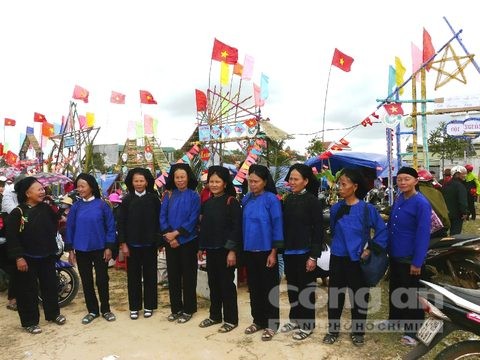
(416, 59)
(247, 73)
(82, 120)
(148, 124)
(259, 102)
(131, 130)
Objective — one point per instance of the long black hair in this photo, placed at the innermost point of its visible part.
(306, 173)
(224, 174)
(263, 173)
(92, 182)
(141, 171)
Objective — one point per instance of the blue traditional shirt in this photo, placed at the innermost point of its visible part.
(409, 228)
(262, 222)
(350, 232)
(180, 211)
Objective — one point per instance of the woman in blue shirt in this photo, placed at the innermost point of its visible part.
(178, 222)
(409, 237)
(350, 219)
(262, 235)
(90, 239)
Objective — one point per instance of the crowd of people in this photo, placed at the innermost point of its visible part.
(233, 231)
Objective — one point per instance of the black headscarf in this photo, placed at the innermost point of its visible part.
(263, 173)
(141, 171)
(91, 181)
(356, 177)
(22, 186)
(192, 181)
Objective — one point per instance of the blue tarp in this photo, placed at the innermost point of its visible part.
(343, 159)
(105, 181)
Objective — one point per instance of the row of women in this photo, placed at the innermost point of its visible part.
(258, 228)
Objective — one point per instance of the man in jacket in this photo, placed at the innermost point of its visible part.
(455, 195)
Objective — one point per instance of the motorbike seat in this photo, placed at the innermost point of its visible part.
(448, 241)
(472, 295)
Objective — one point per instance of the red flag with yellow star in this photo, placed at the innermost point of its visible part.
(146, 97)
(342, 61)
(394, 109)
(79, 93)
(47, 129)
(223, 52)
(37, 117)
(10, 122)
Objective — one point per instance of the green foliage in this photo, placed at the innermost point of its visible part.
(449, 147)
(315, 148)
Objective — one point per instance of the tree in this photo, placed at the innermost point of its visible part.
(315, 148)
(449, 147)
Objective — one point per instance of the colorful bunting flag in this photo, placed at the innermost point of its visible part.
(391, 79)
(47, 129)
(428, 49)
(30, 130)
(11, 158)
(90, 119)
(259, 102)
(148, 124)
(264, 87)
(238, 69)
(79, 93)
(399, 74)
(341, 60)
(223, 52)
(417, 56)
(201, 100)
(146, 98)
(224, 74)
(247, 72)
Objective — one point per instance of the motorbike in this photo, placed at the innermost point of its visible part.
(450, 308)
(68, 279)
(456, 257)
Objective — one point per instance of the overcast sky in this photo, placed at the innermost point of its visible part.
(47, 47)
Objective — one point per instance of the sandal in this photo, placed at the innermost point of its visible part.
(12, 307)
(174, 316)
(208, 322)
(252, 329)
(227, 327)
(289, 326)
(301, 335)
(330, 338)
(109, 316)
(267, 334)
(184, 318)
(60, 320)
(408, 340)
(134, 315)
(147, 313)
(357, 340)
(33, 329)
(87, 319)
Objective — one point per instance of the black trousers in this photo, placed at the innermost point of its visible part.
(346, 277)
(403, 301)
(182, 269)
(456, 226)
(223, 291)
(142, 263)
(41, 271)
(9, 266)
(301, 291)
(263, 284)
(86, 262)
(471, 206)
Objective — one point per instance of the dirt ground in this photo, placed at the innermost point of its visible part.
(156, 338)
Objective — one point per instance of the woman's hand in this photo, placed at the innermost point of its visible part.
(170, 236)
(365, 254)
(200, 255)
(174, 243)
(231, 258)
(311, 264)
(272, 258)
(107, 255)
(22, 265)
(124, 249)
(415, 270)
(72, 259)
